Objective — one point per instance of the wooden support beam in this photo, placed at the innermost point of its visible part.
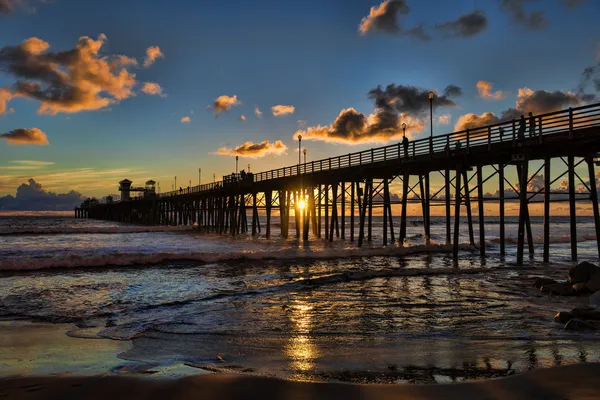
(572, 207)
(594, 199)
(457, 199)
(343, 210)
(468, 205)
(447, 203)
(269, 205)
(326, 196)
(352, 205)
(501, 206)
(254, 215)
(319, 197)
(385, 210)
(480, 211)
(522, 171)
(370, 199)
(405, 182)
(427, 220)
(334, 213)
(363, 212)
(547, 210)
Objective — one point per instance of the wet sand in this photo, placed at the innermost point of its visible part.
(570, 382)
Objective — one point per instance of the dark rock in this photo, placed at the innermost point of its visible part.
(539, 282)
(583, 272)
(563, 317)
(581, 325)
(586, 313)
(562, 289)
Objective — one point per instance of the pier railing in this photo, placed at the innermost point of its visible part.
(455, 143)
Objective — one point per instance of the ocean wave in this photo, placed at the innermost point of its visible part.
(584, 237)
(75, 260)
(91, 229)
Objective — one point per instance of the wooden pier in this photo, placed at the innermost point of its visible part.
(324, 193)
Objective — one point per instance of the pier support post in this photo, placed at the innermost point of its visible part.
(370, 234)
(481, 211)
(468, 205)
(343, 210)
(522, 171)
(405, 182)
(501, 207)
(268, 205)
(447, 201)
(352, 205)
(572, 208)
(547, 210)
(334, 207)
(456, 215)
(594, 199)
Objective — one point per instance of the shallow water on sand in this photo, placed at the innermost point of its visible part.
(309, 312)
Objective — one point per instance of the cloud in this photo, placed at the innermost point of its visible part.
(472, 121)
(254, 150)
(33, 163)
(281, 110)
(516, 11)
(185, 120)
(5, 97)
(25, 136)
(68, 81)
(152, 54)
(467, 25)
(485, 91)
(9, 6)
(394, 105)
(537, 102)
(573, 3)
(444, 119)
(242, 117)
(384, 18)
(224, 103)
(258, 112)
(352, 127)
(32, 196)
(153, 89)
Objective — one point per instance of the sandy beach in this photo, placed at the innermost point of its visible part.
(569, 382)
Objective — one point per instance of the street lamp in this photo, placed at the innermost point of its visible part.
(431, 94)
(214, 178)
(199, 176)
(403, 130)
(175, 186)
(248, 167)
(299, 148)
(304, 151)
(236, 164)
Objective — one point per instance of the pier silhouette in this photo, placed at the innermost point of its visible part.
(323, 192)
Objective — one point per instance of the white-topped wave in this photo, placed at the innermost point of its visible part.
(109, 259)
(91, 229)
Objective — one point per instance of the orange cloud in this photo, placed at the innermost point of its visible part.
(444, 119)
(153, 89)
(281, 110)
(25, 136)
(224, 103)
(254, 150)
(258, 112)
(485, 91)
(5, 97)
(472, 121)
(185, 120)
(68, 81)
(152, 54)
(352, 127)
(242, 118)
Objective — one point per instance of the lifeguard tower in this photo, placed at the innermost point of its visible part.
(125, 189)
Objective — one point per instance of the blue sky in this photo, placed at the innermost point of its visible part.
(307, 54)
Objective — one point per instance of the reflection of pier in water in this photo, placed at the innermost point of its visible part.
(323, 193)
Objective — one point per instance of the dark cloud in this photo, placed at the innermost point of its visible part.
(254, 150)
(516, 10)
(69, 81)
(9, 6)
(385, 18)
(31, 196)
(597, 84)
(573, 3)
(410, 99)
(467, 25)
(394, 105)
(25, 136)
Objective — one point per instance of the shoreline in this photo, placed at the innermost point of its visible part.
(573, 382)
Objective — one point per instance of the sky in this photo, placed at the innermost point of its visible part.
(95, 92)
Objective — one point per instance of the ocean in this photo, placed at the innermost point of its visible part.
(314, 311)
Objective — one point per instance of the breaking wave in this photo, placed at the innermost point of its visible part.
(134, 259)
(80, 230)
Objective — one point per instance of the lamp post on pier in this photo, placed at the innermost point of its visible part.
(304, 151)
(403, 130)
(431, 94)
(175, 186)
(199, 176)
(299, 149)
(236, 164)
(214, 178)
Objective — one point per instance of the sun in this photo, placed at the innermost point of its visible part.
(302, 204)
